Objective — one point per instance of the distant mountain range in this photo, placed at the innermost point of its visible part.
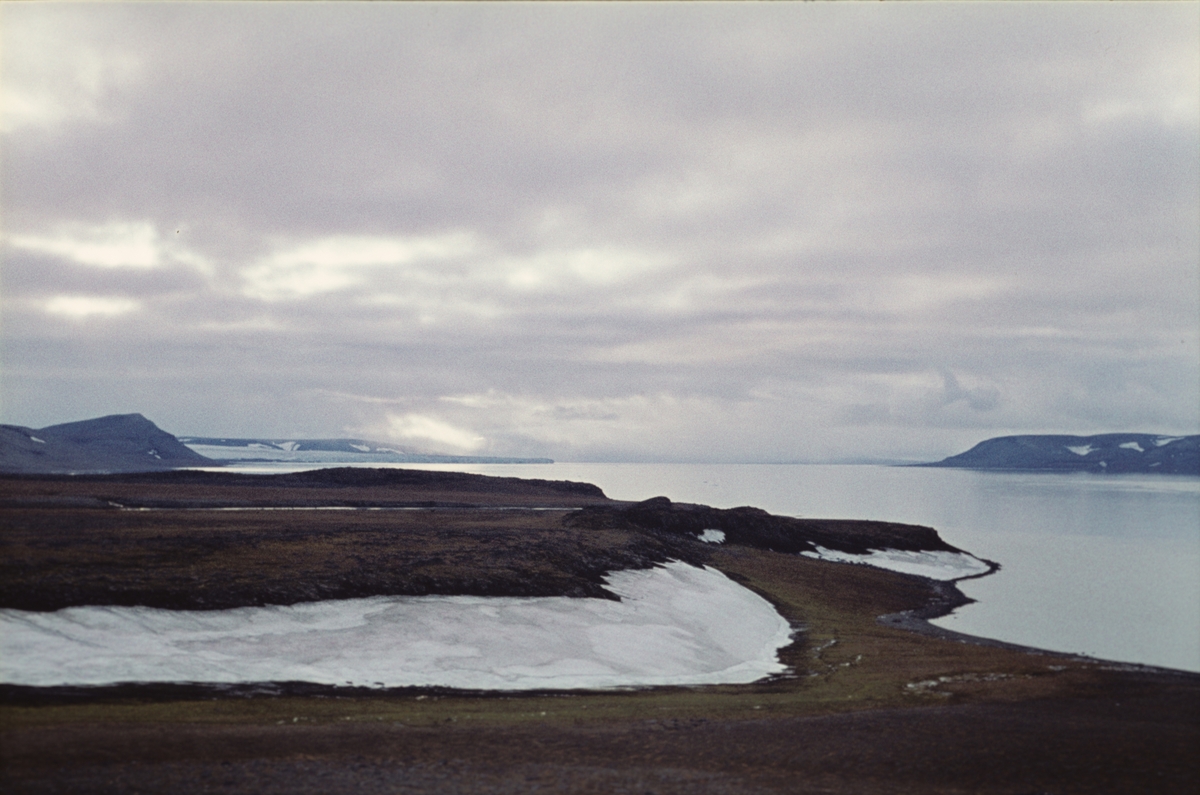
(1108, 452)
(132, 443)
(332, 451)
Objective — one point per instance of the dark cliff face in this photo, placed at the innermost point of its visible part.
(1110, 452)
(116, 443)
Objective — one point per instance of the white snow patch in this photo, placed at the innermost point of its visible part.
(362, 448)
(35, 439)
(299, 454)
(289, 446)
(1160, 441)
(232, 453)
(1132, 446)
(675, 625)
(936, 565)
(1081, 450)
(711, 536)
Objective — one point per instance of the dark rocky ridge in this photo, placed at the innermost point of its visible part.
(71, 541)
(1104, 453)
(339, 486)
(116, 443)
(754, 527)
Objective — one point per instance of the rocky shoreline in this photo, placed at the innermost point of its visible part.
(874, 701)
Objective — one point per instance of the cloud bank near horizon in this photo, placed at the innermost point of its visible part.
(632, 232)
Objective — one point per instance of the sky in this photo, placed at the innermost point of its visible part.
(746, 232)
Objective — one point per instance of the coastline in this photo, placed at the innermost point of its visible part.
(867, 706)
(426, 493)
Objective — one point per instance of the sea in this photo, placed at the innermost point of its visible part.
(1106, 566)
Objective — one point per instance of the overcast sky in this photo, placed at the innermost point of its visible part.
(744, 232)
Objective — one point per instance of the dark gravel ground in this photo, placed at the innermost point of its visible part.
(1127, 743)
(202, 541)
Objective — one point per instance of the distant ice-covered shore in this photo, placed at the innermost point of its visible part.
(675, 625)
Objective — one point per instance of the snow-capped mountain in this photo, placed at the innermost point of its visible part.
(330, 451)
(1109, 452)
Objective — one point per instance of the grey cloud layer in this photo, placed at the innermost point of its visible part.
(732, 232)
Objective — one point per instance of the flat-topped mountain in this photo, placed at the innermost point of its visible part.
(332, 451)
(116, 443)
(1108, 452)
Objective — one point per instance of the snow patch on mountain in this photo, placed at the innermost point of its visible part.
(1106, 452)
(329, 451)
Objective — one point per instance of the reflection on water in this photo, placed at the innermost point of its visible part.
(1107, 565)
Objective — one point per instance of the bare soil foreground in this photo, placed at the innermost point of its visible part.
(868, 707)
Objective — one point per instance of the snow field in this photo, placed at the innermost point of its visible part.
(676, 625)
(937, 565)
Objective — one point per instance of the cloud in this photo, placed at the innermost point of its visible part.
(342, 261)
(432, 430)
(115, 245)
(978, 399)
(713, 231)
(47, 91)
(585, 267)
(83, 307)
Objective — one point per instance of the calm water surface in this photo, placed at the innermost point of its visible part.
(1102, 565)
